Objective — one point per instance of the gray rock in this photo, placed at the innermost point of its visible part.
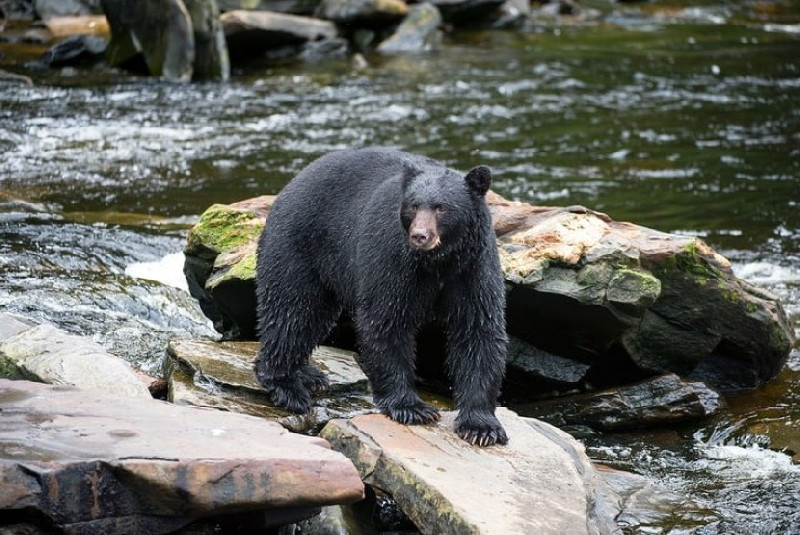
(541, 482)
(253, 32)
(419, 31)
(468, 12)
(211, 59)
(368, 13)
(11, 325)
(220, 375)
(160, 30)
(659, 400)
(50, 355)
(97, 463)
(525, 359)
(66, 8)
(295, 7)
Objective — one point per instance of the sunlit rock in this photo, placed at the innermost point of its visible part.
(621, 301)
(60, 27)
(220, 375)
(50, 355)
(100, 463)
(541, 482)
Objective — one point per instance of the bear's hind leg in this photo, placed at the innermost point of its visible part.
(294, 317)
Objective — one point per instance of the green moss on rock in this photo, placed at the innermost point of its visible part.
(222, 228)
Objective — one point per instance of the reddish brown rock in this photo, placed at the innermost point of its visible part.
(95, 463)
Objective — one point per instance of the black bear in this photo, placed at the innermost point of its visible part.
(397, 240)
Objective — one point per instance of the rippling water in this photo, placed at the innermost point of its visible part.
(685, 121)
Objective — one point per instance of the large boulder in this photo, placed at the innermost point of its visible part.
(177, 39)
(618, 301)
(82, 462)
(541, 482)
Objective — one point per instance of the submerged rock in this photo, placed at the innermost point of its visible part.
(220, 375)
(75, 50)
(660, 400)
(97, 463)
(50, 355)
(648, 506)
(541, 482)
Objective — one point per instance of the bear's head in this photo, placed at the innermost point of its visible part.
(439, 208)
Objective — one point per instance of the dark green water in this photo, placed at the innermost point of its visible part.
(685, 121)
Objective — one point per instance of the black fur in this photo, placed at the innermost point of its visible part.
(337, 239)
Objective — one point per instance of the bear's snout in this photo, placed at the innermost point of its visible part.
(422, 233)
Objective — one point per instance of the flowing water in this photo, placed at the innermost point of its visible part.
(684, 120)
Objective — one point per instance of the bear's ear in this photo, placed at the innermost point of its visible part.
(409, 172)
(479, 179)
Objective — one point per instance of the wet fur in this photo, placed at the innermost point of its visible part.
(337, 239)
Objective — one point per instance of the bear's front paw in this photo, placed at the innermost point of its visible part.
(414, 414)
(312, 378)
(481, 430)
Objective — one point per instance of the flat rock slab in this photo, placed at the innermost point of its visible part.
(541, 482)
(220, 375)
(94, 463)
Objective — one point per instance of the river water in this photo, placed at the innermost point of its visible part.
(684, 120)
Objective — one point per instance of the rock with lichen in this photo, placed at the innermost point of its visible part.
(606, 302)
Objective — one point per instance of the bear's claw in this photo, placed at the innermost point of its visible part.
(483, 431)
(417, 414)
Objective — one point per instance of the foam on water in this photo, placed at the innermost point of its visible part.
(166, 270)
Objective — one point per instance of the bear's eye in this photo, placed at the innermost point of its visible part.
(415, 206)
(440, 209)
